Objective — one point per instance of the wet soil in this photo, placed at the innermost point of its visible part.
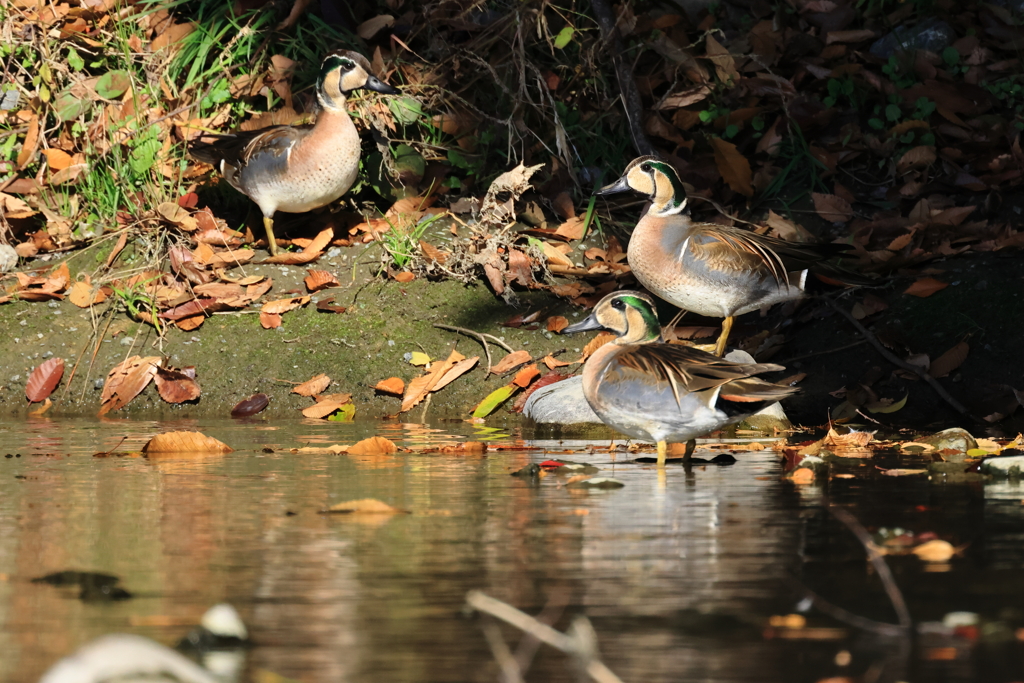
(235, 357)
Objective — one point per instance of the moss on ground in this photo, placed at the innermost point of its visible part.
(235, 357)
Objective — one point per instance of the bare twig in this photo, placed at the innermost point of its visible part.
(877, 560)
(510, 672)
(481, 337)
(849, 618)
(579, 642)
(898, 362)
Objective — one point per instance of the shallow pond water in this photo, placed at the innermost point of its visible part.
(680, 574)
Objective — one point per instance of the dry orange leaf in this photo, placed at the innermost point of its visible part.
(310, 252)
(526, 375)
(404, 276)
(57, 159)
(313, 386)
(733, 166)
(572, 228)
(327, 405)
(126, 380)
(175, 386)
(320, 279)
(553, 362)
(557, 323)
(375, 445)
(28, 147)
(279, 306)
(456, 371)
(270, 321)
(391, 385)
(949, 361)
(185, 442)
(925, 286)
(83, 295)
(418, 388)
(510, 361)
(597, 342)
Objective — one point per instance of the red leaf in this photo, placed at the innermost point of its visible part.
(44, 379)
(925, 286)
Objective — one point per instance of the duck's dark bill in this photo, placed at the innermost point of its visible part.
(375, 84)
(590, 323)
(620, 185)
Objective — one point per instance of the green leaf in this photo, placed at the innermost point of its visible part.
(458, 159)
(113, 84)
(494, 399)
(898, 405)
(893, 112)
(406, 109)
(75, 60)
(144, 155)
(409, 160)
(346, 413)
(69, 107)
(564, 37)
(950, 56)
(730, 131)
(877, 124)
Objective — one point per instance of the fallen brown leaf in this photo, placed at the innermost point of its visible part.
(44, 379)
(320, 279)
(526, 375)
(365, 506)
(733, 166)
(126, 380)
(925, 286)
(313, 386)
(510, 361)
(949, 361)
(557, 323)
(175, 386)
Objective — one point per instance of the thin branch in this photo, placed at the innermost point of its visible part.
(877, 560)
(481, 337)
(510, 672)
(898, 362)
(579, 645)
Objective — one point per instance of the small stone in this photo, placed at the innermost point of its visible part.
(97, 384)
(8, 258)
(127, 341)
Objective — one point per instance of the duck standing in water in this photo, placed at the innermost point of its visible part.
(298, 168)
(713, 270)
(662, 392)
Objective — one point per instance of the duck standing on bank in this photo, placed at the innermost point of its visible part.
(662, 392)
(298, 168)
(713, 270)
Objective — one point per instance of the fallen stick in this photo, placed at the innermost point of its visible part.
(898, 362)
(581, 644)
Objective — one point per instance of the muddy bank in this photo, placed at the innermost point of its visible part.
(235, 357)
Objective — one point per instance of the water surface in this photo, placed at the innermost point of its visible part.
(679, 574)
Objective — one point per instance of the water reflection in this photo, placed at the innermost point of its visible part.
(679, 574)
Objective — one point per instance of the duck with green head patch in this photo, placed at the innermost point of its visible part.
(660, 392)
(713, 270)
(298, 168)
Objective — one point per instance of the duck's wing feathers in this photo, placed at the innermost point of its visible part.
(238, 149)
(726, 248)
(687, 370)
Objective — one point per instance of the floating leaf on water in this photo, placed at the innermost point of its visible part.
(44, 379)
(185, 442)
(935, 551)
(596, 483)
(250, 406)
(346, 413)
(375, 445)
(901, 472)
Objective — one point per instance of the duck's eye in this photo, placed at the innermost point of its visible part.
(347, 64)
(619, 305)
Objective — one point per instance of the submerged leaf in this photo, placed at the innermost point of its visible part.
(185, 442)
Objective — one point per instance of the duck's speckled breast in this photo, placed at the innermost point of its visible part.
(319, 168)
(660, 257)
